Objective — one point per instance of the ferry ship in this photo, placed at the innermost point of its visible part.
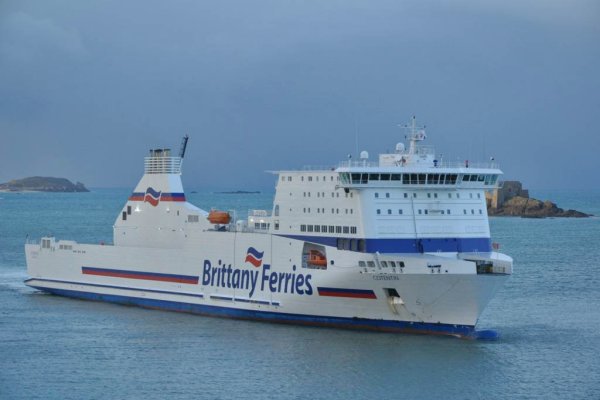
(400, 244)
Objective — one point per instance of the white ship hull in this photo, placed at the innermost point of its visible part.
(446, 302)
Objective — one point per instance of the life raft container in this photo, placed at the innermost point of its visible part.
(315, 257)
(219, 217)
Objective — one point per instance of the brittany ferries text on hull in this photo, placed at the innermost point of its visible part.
(400, 245)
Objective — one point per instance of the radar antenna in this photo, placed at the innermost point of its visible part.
(414, 134)
(183, 146)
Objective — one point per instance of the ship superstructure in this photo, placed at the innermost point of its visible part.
(399, 244)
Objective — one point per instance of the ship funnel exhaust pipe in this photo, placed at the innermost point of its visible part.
(183, 146)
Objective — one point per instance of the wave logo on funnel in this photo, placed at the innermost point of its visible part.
(254, 257)
(152, 196)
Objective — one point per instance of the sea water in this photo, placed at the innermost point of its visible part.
(548, 316)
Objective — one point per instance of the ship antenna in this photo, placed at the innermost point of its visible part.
(183, 146)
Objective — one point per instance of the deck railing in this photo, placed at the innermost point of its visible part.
(162, 165)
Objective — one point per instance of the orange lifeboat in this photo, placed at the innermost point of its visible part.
(219, 217)
(315, 257)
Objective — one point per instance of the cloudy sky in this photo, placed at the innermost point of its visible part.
(87, 87)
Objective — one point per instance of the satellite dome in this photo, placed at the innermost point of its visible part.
(364, 155)
(400, 148)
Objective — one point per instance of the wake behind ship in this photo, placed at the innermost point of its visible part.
(401, 245)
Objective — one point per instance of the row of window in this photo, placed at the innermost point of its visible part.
(322, 194)
(351, 244)
(418, 179)
(426, 212)
(310, 178)
(429, 195)
(328, 229)
(384, 264)
(333, 210)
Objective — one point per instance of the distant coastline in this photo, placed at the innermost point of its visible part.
(42, 184)
(239, 192)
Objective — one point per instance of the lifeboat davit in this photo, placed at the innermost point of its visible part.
(219, 217)
(315, 257)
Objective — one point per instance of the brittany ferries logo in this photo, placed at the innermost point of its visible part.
(152, 197)
(254, 257)
(257, 278)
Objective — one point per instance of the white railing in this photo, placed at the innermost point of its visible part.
(162, 165)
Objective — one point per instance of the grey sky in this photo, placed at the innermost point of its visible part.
(87, 87)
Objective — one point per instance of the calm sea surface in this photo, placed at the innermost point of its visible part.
(548, 316)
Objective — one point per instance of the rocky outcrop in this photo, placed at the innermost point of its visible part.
(42, 184)
(532, 208)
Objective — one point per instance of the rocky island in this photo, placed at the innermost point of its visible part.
(510, 199)
(42, 184)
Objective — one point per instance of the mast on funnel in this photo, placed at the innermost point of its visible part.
(183, 146)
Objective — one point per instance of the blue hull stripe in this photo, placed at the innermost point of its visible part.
(199, 295)
(466, 331)
(432, 245)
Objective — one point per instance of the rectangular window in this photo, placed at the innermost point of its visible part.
(124, 216)
(193, 218)
(324, 228)
(400, 211)
(385, 177)
(378, 211)
(346, 229)
(302, 228)
(338, 229)
(396, 177)
(317, 228)
(331, 229)
(128, 210)
(309, 228)
(387, 195)
(353, 229)
(373, 177)
(362, 245)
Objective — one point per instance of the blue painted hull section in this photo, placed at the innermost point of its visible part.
(460, 245)
(464, 331)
